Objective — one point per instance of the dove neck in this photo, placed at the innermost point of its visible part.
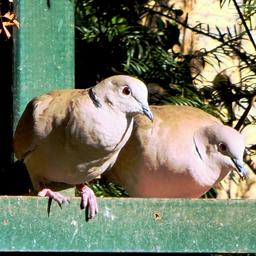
(211, 161)
(205, 140)
(94, 97)
(101, 96)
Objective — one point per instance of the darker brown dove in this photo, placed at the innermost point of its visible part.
(182, 154)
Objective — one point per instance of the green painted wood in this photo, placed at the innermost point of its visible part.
(129, 225)
(43, 49)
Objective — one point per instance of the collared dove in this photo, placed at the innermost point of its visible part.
(182, 154)
(72, 136)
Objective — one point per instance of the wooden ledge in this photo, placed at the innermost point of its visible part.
(129, 225)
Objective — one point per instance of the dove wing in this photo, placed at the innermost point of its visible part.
(40, 117)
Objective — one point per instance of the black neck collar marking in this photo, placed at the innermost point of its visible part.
(94, 98)
(197, 150)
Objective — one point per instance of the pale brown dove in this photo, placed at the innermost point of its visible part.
(182, 154)
(72, 136)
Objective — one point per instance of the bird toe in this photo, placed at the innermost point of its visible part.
(56, 196)
(88, 201)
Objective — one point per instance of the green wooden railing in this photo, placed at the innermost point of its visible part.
(129, 225)
(44, 61)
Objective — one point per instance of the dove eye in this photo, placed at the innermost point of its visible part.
(126, 90)
(222, 147)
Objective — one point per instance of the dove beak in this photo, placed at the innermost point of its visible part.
(239, 168)
(147, 112)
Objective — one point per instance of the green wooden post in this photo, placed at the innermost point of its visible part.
(43, 50)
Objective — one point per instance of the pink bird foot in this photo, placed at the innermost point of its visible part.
(88, 201)
(56, 196)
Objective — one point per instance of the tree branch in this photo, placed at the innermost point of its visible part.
(244, 24)
(245, 114)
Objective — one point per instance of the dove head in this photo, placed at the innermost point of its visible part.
(224, 146)
(124, 93)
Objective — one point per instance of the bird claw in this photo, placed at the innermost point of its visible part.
(88, 202)
(56, 196)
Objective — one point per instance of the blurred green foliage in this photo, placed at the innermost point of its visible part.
(138, 37)
(129, 37)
